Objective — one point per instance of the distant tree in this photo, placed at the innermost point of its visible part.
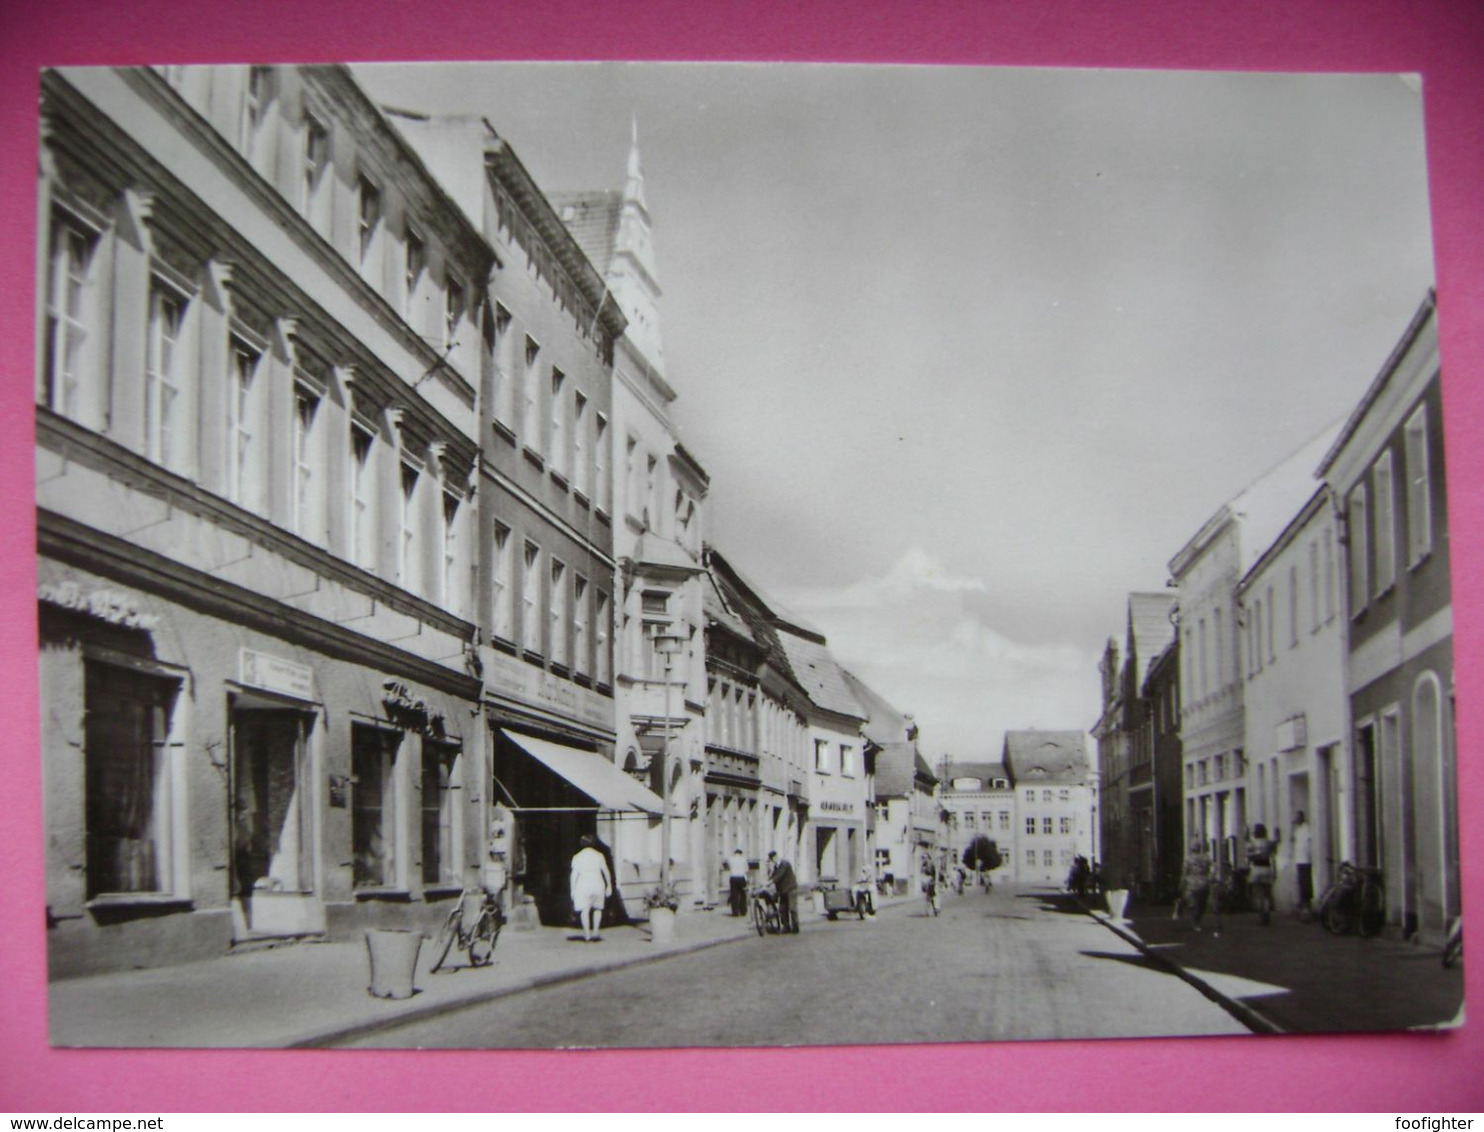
(983, 853)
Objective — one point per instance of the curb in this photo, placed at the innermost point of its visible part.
(1252, 1019)
(330, 1035)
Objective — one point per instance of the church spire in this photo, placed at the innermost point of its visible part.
(633, 189)
(631, 274)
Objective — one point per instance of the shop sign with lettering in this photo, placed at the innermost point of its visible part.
(508, 677)
(275, 674)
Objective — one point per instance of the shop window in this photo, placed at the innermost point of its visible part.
(127, 781)
(70, 368)
(373, 757)
(272, 820)
(440, 833)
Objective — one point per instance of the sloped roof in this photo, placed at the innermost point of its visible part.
(1150, 625)
(1046, 756)
(592, 218)
(819, 675)
(984, 772)
(718, 612)
(894, 767)
(884, 724)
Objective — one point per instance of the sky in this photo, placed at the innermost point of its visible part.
(970, 353)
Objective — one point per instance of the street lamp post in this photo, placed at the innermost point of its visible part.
(668, 644)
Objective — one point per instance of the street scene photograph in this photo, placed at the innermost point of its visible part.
(611, 555)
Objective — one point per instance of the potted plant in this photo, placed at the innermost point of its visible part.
(662, 903)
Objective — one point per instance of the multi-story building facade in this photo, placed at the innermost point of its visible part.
(547, 515)
(659, 492)
(1388, 490)
(1057, 803)
(1294, 701)
(1161, 694)
(256, 444)
(840, 789)
(978, 800)
(890, 739)
(1206, 572)
(1112, 740)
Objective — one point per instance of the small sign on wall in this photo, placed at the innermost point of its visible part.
(275, 674)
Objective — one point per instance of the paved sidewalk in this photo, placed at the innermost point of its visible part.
(1293, 976)
(312, 994)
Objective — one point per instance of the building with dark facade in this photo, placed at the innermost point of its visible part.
(1161, 694)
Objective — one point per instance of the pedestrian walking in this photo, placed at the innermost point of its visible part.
(1197, 883)
(590, 883)
(737, 874)
(1303, 860)
(1260, 876)
(781, 877)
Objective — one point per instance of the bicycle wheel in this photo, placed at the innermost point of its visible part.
(1339, 915)
(759, 917)
(482, 942)
(444, 943)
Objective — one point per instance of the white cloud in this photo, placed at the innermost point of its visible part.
(917, 636)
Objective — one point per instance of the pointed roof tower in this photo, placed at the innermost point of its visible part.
(614, 229)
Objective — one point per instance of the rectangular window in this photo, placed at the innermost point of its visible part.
(1030, 858)
(453, 311)
(244, 466)
(1329, 575)
(1293, 606)
(530, 414)
(602, 658)
(362, 498)
(453, 590)
(368, 205)
(306, 464)
(373, 759)
(579, 624)
(1419, 488)
(255, 101)
(1030, 827)
(502, 595)
(1048, 858)
(847, 762)
(1315, 588)
(557, 613)
(821, 756)
(651, 484)
(127, 802)
(1272, 628)
(1358, 544)
(1045, 795)
(969, 820)
(1065, 825)
(1384, 518)
(1064, 795)
(579, 444)
(163, 423)
(1046, 826)
(558, 448)
(415, 263)
(407, 543)
(530, 584)
(600, 463)
(1005, 821)
(70, 369)
(631, 477)
(316, 158)
(440, 842)
(504, 364)
(1030, 795)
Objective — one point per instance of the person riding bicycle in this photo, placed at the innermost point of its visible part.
(781, 877)
(865, 890)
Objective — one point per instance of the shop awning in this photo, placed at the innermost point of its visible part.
(592, 774)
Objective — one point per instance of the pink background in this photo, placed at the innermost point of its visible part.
(1441, 39)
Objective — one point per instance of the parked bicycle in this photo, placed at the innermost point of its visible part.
(474, 923)
(1353, 901)
(765, 916)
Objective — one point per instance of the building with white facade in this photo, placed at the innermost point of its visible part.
(1296, 710)
(978, 800)
(1057, 808)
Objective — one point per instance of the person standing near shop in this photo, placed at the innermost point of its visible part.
(590, 884)
(737, 874)
(781, 877)
(1303, 860)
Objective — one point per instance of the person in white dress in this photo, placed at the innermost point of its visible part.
(590, 884)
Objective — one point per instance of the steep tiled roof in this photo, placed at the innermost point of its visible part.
(1046, 756)
(984, 772)
(884, 724)
(818, 674)
(592, 218)
(1149, 622)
